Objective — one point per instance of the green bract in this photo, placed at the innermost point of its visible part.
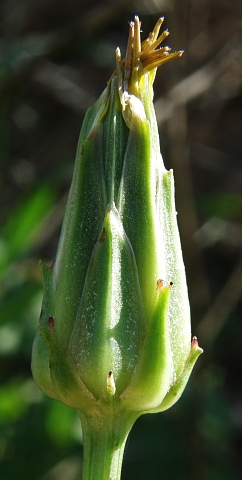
(114, 336)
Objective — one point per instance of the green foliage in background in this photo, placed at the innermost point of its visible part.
(48, 78)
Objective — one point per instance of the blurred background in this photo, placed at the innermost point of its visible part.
(55, 60)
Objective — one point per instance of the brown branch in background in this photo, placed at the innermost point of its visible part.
(57, 43)
(223, 305)
(172, 108)
(64, 86)
(69, 467)
(179, 161)
(187, 216)
(202, 80)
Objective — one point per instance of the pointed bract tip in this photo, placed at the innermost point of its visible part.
(195, 346)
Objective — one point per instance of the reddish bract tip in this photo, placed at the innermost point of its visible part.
(194, 342)
(51, 321)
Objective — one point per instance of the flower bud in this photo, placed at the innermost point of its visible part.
(115, 318)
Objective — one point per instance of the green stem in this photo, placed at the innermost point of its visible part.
(104, 439)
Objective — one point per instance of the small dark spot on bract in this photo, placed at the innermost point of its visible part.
(159, 284)
(103, 236)
(51, 321)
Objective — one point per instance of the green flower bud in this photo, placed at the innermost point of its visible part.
(114, 333)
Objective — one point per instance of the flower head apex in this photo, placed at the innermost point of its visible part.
(141, 58)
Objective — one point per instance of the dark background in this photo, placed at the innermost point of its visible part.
(55, 60)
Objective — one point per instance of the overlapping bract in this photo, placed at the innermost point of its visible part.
(115, 318)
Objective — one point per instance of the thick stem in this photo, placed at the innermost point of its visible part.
(104, 440)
